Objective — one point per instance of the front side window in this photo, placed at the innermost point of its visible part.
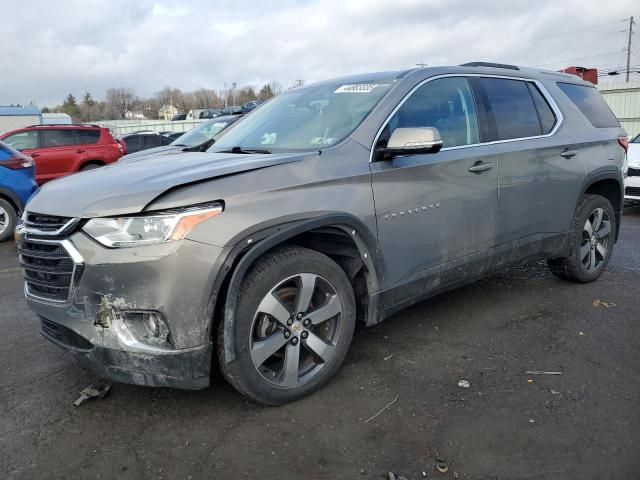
(59, 138)
(512, 107)
(446, 104)
(23, 140)
(308, 118)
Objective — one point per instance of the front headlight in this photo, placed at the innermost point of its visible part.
(154, 228)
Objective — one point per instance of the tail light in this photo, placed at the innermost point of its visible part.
(121, 146)
(18, 163)
(623, 141)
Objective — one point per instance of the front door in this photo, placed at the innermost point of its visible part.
(435, 215)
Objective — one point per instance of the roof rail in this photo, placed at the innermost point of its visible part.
(489, 64)
(64, 125)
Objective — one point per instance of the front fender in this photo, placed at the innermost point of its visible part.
(258, 240)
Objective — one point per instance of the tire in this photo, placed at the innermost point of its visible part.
(90, 166)
(587, 260)
(286, 272)
(8, 218)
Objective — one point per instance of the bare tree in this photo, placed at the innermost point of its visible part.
(120, 100)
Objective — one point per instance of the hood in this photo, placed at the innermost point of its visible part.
(124, 188)
(150, 152)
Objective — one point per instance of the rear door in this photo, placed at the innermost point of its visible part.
(434, 215)
(541, 173)
(59, 154)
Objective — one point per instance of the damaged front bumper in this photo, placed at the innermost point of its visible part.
(117, 300)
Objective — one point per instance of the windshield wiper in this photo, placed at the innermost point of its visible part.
(246, 150)
(200, 147)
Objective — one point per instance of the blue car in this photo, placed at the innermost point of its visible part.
(17, 186)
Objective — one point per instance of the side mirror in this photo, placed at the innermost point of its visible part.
(412, 141)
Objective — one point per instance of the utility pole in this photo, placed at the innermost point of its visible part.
(422, 65)
(629, 46)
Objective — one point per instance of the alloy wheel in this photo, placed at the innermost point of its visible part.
(296, 330)
(4, 220)
(595, 239)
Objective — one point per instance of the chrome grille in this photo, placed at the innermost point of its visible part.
(49, 269)
(48, 225)
(632, 191)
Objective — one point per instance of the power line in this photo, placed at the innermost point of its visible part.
(574, 59)
(568, 32)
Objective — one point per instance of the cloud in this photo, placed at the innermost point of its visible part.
(52, 48)
(164, 11)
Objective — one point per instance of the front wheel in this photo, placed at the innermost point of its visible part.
(295, 319)
(8, 217)
(591, 241)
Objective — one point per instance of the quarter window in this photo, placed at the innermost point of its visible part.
(591, 104)
(88, 137)
(512, 107)
(446, 104)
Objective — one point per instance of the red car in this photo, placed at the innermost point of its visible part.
(60, 150)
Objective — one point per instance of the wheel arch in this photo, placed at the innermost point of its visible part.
(342, 237)
(609, 186)
(13, 199)
(94, 161)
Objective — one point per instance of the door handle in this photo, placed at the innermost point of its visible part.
(34, 155)
(569, 153)
(80, 151)
(480, 167)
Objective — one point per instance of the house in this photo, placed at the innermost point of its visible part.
(167, 112)
(17, 117)
(134, 115)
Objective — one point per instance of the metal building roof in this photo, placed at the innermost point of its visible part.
(18, 111)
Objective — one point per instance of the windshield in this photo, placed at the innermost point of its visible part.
(200, 134)
(308, 118)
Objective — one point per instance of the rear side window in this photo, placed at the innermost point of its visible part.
(546, 115)
(132, 143)
(150, 141)
(59, 138)
(591, 104)
(87, 137)
(512, 107)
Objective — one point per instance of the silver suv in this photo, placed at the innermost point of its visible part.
(335, 203)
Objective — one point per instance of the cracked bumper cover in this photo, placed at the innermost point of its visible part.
(175, 279)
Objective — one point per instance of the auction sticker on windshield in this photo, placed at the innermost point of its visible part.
(358, 88)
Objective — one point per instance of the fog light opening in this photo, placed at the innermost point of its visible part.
(149, 327)
(156, 327)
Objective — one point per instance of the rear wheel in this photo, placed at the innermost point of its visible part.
(8, 217)
(294, 323)
(590, 241)
(90, 166)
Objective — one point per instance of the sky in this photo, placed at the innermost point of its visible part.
(51, 48)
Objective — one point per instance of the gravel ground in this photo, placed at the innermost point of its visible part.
(584, 423)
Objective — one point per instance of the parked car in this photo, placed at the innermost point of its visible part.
(60, 150)
(267, 249)
(632, 182)
(198, 138)
(17, 185)
(143, 141)
(247, 107)
(232, 110)
(179, 116)
(210, 113)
